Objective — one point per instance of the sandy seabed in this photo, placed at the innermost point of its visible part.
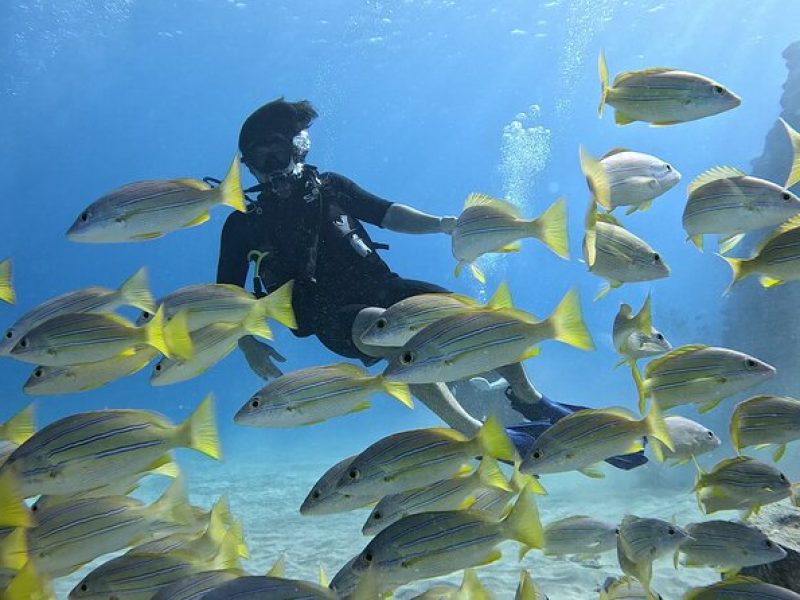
(266, 495)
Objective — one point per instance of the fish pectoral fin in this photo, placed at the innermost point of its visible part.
(778, 454)
(147, 236)
(466, 503)
(532, 353)
(361, 406)
(664, 123)
(477, 273)
(769, 282)
(493, 556)
(199, 220)
(636, 446)
(622, 119)
(592, 472)
(697, 240)
(704, 408)
(729, 242)
(513, 247)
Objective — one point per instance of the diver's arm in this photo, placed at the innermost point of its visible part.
(233, 264)
(404, 219)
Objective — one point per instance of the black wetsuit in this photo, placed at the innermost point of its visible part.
(315, 237)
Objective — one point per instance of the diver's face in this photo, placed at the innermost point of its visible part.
(273, 156)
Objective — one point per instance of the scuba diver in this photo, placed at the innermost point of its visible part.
(307, 226)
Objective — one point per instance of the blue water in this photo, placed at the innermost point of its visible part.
(421, 102)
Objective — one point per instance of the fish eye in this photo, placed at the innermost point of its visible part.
(85, 217)
(750, 363)
(671, 531)
(616, 530)
(23, 343)
(787, 196)
(669, 168)
(84, 587)
(537, 454)
(407, 358)
(380, 323)
(315, 494)
(718, 89)
(255, 402)
(377, 515)
(38, 373)
(783, 477)
(158, 368)
(711, 434)
(145, 315)
(368, 556)
(660, 337)
(656, 257)
(9, 334)
(354, 474)
(768, 543)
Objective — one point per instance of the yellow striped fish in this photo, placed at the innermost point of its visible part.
(615, 254)
(437, 543)
(413, 459)
(92, 337)
(258, 586)
(133, 292)
(150, 209)
(465, 345)
(764, 420)
(702, 375)
(728, 546)
(315, 394)
(325, 497)
(741, 587)
(625, 588)
(579, 534)
(662, 96)
(7, 293)
(193, 587)
(491, 225)
(87, 450)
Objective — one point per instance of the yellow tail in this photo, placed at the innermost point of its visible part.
(13, 510)
(177, 337)
(551, 228)
(14, 550)
(278, 305)
(794, 138)
(164, 466)
(173, 505)
(657, 427)
(199, 431)
(136, 292)
(597, 180)
(739, 268)
(154, 332)
(602, 69)
(237, 529)
(567, 323)
(20, 427)
(493, 441)
(255, 323)
(6, 289)
(490, 475)
(28, 584)
(522, 523)
(397, 390)
(230, 190)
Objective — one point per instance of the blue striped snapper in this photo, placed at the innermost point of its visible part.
(641, 541)
(702, 375)
(740, 483)
(254, 587)
(764, 420)
(401, 321)
(471, 588)
(315, 394)
(210, 345)
(91, 337)
(626, 178)
(727, 546)
(581, 535)
(741, 587)
(449, 494)
(634, 336)
(133, 292)
(206, 304)
(491, 225)
(197, 585)
(587, 437)
(775, 261)
(75, 532)
(74, 379)
(689, 440)
(92, 449)
(662, 96)
(149, 209)
(625, 588)
(7, 293)
(412, 459)
(20, 427)
(465, 345)
(437, 543)
(325, 497)
(615, 254)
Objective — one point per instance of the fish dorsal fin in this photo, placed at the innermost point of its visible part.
(463, 298)
(501, 298)
(519, 314)
(644, 318)
(614, 151)
(574, 518)
(608, 218)
(714, 174)
(794, 138)
(193, 183)
(729, 462)
(622, 77)
(619, 411)
(475, 199)
(278, 569)
(658, 362)
(792, 223)
(349, 369)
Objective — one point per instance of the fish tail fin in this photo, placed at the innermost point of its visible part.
(154, 332)
(657, 427)
(199, 431)
(278, 305)
(567, 323)
(136, 292)
(794, 138)
(397, 389)
(14, 550)
(6, 289)
(177, 338)
(523, 524)
(13, 510)
(602, 70)
(20, 427)
(739, 268)
(217, 529)
(490, 475)
(173, 505)
(28, 583)
(230, 190)
(596, 178)
(255, 323)
(493, 441)
(551, 228)
(227, 556)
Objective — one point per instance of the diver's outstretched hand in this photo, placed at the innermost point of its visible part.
(261, 357)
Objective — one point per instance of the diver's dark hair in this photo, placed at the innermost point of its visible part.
(277, 117)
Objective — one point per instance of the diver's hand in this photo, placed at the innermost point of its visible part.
(260, 357)
(448, 224)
